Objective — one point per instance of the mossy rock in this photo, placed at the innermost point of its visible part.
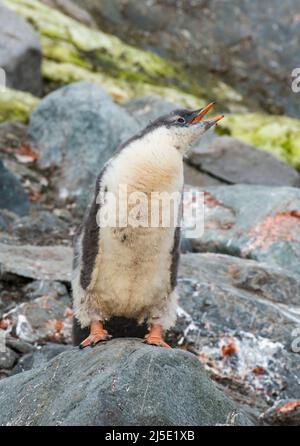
(59, 74)
(16, 105)
(74, 52)
(88, 54)
(279, 135)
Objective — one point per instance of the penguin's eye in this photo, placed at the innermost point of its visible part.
(181, 120)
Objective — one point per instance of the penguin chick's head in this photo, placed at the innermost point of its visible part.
(181, 128)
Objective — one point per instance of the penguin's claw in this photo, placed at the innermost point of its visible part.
(97, 334)
(154, 337)
(155, 340)
(93, 340)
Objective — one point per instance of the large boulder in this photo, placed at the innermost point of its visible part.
(233, 161)
(252, 45)
(75, 130)
(242, 317)
(53, 263)
(256, 222)
(279, 135)
(12, 195)
(116, 384)
(20, 53)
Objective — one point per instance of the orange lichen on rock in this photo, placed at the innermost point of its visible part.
(258, 370)
(274, 228)
(228, 349)
(58, 325)
(4, 324)
(288, 407)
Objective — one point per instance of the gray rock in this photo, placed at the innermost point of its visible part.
(12, 195)
(18, 345)
(252, 45)
(37, 262)
(197, 178)
(39, 288)
(257, 222)
(40, 228)
(11, 292)
(76, 129)
(115, 384)
(13, 139)
(149, 108)
(7, 358)
(233, 161)
(242, 317)
(71, 9)
(43, 319)
(39, 357)
(20, 53)
(284, 413)
(7, 219)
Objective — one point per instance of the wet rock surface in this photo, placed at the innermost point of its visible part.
(116, 384)
(20, 53)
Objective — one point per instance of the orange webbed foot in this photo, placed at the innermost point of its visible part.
(97, 334)
(154, 337)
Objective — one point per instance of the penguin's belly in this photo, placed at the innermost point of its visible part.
(132, 275)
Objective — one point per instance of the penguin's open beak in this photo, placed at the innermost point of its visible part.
(198, 115)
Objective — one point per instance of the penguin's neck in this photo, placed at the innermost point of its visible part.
(151, 164)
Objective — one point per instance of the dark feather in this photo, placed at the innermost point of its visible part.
(90, 241)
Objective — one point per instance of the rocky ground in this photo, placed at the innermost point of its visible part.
(84, 93)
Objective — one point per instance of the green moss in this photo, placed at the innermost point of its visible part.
(120, 90)
(279, 135)
(16, 105)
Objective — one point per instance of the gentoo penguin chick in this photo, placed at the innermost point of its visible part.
(122, 266)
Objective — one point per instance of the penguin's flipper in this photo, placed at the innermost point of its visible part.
(154, 337)
(97, 334)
